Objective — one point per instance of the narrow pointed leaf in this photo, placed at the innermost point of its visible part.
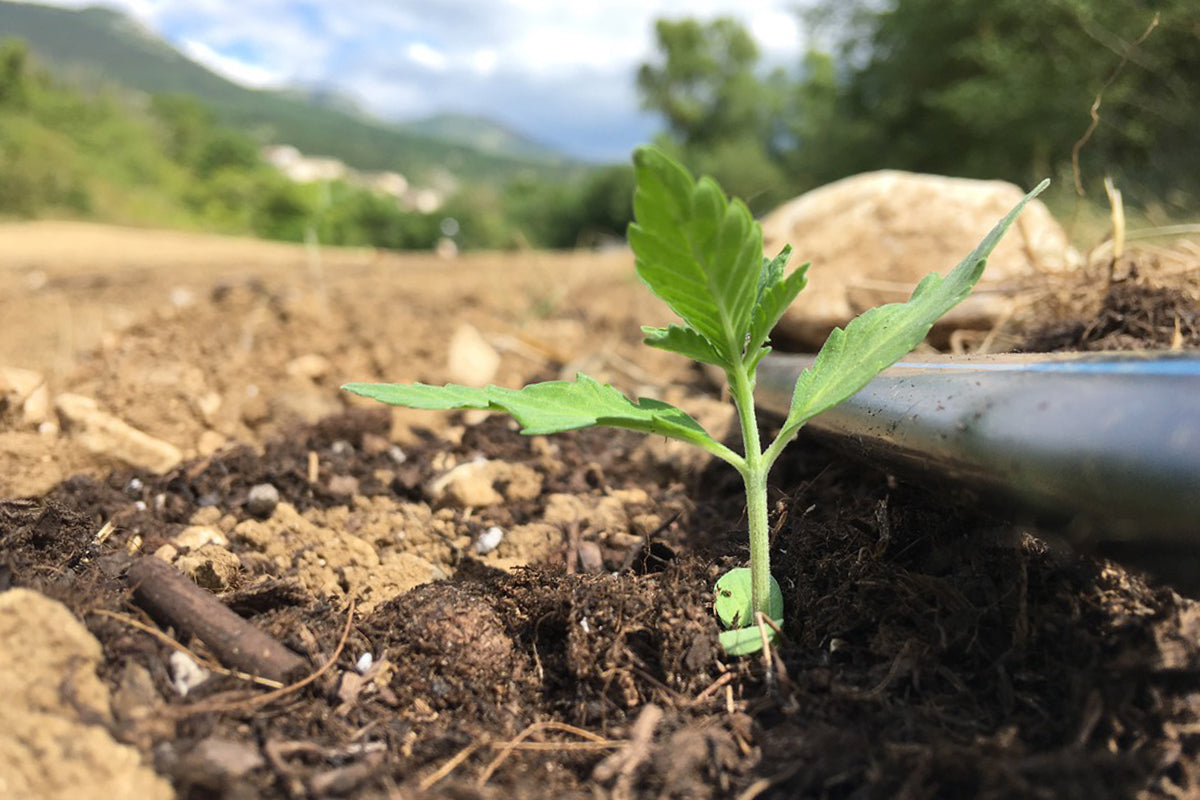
(774, 301)
(696, 250)
(549, 407)
(852, 356)
(772, 270)
(684, 341)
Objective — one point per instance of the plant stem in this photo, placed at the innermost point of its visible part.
(754, 477)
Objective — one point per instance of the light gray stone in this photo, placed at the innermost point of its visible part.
(262, 499)
(872, 237)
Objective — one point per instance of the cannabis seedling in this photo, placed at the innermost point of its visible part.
(703, 255)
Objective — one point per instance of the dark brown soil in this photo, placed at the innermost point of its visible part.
(932, 649)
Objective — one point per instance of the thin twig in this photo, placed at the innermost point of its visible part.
(569, 746)
(208, 664)
(169, 594)
(1094, 111)
(432, 778)
(262, 700)
(536, 727)
(711, 689)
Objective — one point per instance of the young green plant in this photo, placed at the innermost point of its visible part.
(702, 254)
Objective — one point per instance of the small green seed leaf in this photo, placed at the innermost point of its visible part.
(736, 611)
(743, 641)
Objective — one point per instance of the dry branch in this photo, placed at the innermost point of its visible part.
(169, 595)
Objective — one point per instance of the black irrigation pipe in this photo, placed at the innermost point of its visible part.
(1107, 443)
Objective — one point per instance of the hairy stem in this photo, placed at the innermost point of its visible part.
(754, 477)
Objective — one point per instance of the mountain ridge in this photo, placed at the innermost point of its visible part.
(99, 46)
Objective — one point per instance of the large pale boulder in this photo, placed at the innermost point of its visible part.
(872, 237)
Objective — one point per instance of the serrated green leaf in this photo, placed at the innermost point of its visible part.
(550, 407)
(772, 271)
(874, 340)
(734, 608)
(682, 340)
(774, 301)
(696, 250)
(667, 198)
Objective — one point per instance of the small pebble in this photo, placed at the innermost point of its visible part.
(590, 559)
(182, 297)
(262, 499)
(343, 485)
(194, 537)
(186, 674)
(489, 540)
(364, 663)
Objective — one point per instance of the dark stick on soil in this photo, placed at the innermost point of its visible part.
(168, 595)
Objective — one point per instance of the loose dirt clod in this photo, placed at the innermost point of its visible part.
(448, 647)
(53, 737)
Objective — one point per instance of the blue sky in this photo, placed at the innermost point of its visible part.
(560, 71)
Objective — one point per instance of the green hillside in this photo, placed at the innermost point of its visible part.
(97, 45)
(105, 154)
(99, 155)
(482, 134)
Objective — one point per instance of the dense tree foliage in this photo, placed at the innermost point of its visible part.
(1004, 88)
(980, 88)
(722, 116)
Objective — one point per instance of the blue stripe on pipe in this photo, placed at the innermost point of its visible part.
(1188, 366)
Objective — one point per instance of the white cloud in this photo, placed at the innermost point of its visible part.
(484, 61)
(242, 72)
(425, 56)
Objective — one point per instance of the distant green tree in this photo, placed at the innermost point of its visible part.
(227, 149)
(186, 125)
(540, 212)
(604, 207)
(359, 217)
(280, 209)
(40, 166)
(722, 115)
(482, 221)
(15, 77)
(39, 171)
(704, 83)
(192, 136)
